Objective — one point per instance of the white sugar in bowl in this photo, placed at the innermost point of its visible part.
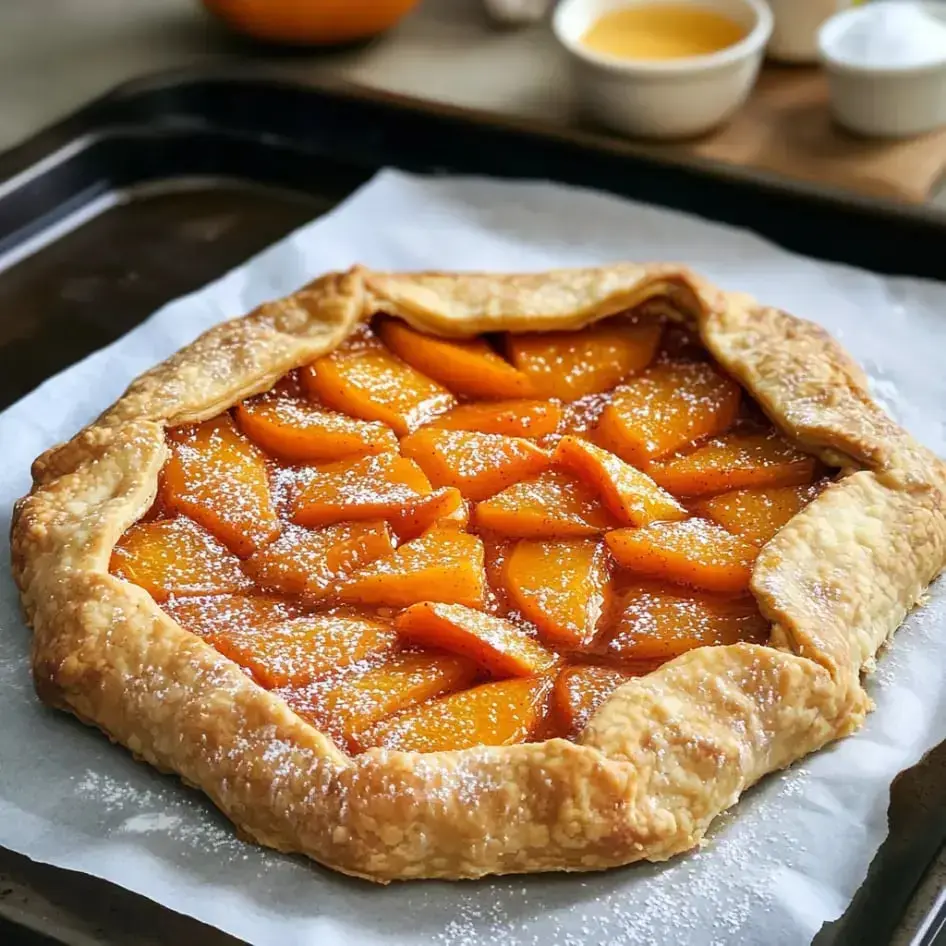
(886, 67)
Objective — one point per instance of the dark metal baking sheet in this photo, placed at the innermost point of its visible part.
(165, 184)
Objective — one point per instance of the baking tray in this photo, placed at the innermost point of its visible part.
(166, 183)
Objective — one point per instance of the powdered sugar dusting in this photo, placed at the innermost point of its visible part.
(114, 795)
(712, 897)
(820, 822)
(157, 821)
(15, 670)
(180, 815)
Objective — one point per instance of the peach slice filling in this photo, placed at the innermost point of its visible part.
(737, 460)
(560, 586)
(518, 418)
(305, 561)
(478, 465)
(209, 615)
(219, 479)
(553, 504)
(444, 564)
(631, 495)
(500, 713)
(571, 365)
(579, 691)
(467, 367)
(665, 408)
(177, 557)
(367, 488)
(756, 514)
(364, 379)
(658, 621)
(499, 646)
(345, 704)
(300, 650)
(295, 430)
(427, 544)
(694, 552)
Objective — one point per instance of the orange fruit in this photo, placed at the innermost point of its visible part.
(321, 22)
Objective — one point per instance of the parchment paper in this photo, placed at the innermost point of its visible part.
(788, 857)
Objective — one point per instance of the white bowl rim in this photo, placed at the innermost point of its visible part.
(750, 44)
(827, 33)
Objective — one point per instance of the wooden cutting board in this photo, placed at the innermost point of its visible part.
(446, 53)
(786, 128)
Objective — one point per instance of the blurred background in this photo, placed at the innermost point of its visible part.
(862, 111)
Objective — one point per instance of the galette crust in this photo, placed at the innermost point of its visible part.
(665, 754)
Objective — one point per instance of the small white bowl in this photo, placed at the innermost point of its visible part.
(895, 101)
(795, 34)
(666, 98)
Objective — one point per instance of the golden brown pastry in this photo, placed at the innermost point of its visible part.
(665, 752)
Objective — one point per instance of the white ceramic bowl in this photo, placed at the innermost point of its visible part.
(795, 34)
(668, 98)
(892, 102)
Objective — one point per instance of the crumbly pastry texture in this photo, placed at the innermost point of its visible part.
(657, 762)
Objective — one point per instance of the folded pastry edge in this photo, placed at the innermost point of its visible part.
(657, 762)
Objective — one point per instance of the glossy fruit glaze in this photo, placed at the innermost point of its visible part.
(424, 544)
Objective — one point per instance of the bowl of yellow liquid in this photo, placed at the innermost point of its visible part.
(664, 68)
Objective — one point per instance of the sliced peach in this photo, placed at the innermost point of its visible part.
(554, 503)
(206, 616)
(365, 380)
(467, 366)
(294, 653)
(350, 702)
(479, 465)
(632, 496)
(521, 418)
(443, 506)
(301, 560)
(493, 714)
(665, 408)
(497, 645)
(756, 514)
(579, 691)
(444, 564)
(658, 621)
(737, 460)
(560, 586)
(377, 487)
(218, 478)
(570, 365)
(176, 556)
(300, 432)
(695, 552)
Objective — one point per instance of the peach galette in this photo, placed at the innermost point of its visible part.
(446, 575)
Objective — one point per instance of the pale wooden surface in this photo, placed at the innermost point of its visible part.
(786, 128)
